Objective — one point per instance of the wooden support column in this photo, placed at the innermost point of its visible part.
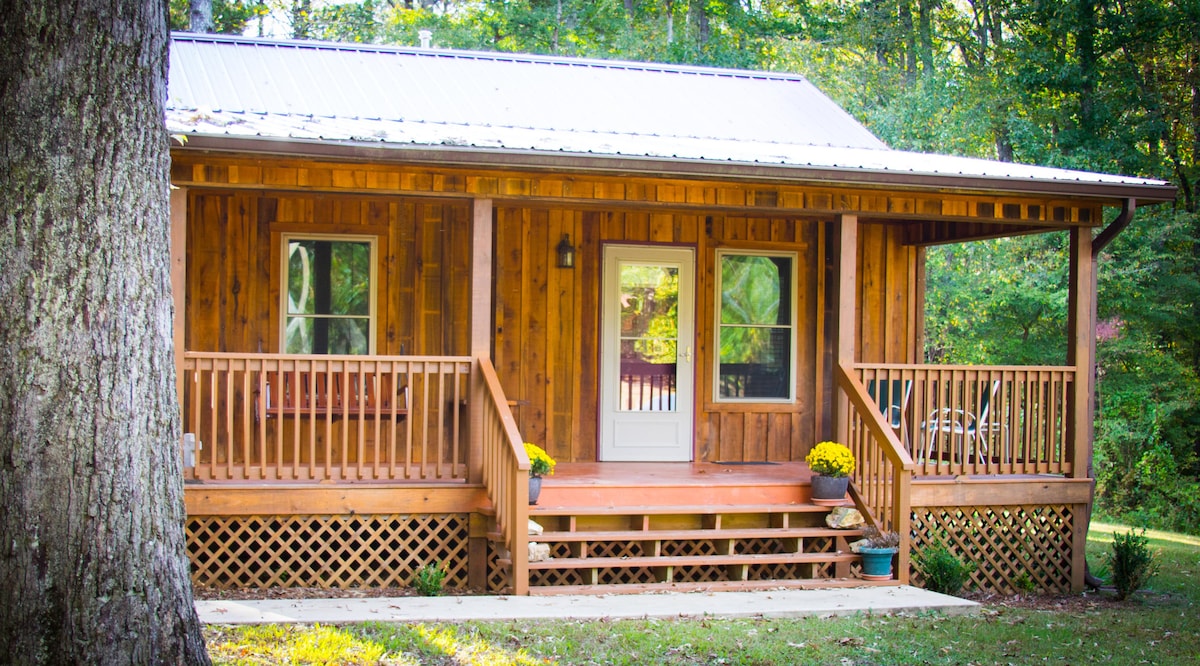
(482, 230)
(481, 325)
(178, 240)
(1081, 332)
(1081, 345)
(846, 333)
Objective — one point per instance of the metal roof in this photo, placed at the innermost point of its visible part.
(329, 95)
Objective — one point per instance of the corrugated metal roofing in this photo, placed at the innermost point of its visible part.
(352, 94)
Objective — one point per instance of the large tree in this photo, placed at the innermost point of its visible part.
(92, 562)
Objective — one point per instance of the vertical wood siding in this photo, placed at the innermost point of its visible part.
(547, 328)
(233, 272)
(546, 319)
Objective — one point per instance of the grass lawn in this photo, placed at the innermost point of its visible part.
(1157, 626)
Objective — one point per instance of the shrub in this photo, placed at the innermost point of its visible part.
(942, 570)
(1132, 563)
(429, 580)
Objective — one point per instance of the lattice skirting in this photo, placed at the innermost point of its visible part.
(618, 575)
(338, 551)
(1014, 547)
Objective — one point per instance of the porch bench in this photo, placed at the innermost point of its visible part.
(331, 395)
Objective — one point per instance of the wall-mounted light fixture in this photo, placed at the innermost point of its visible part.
(566, 252)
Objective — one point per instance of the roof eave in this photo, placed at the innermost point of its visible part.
(466, 156)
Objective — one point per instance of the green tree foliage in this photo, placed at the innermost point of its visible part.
(229, 16)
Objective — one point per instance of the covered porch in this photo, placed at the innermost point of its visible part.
(979, 456)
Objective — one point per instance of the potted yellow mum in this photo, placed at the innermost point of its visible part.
(831, 464)
(540, 464)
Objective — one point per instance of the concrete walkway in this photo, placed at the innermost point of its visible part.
(780, 603)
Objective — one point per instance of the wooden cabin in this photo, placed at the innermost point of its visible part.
(394, 266)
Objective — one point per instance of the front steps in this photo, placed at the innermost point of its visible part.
(634, 535)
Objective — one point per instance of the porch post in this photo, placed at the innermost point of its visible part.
(481, 326)
(178, 249)
(1081, 329)
(846, 335)
(481, 347)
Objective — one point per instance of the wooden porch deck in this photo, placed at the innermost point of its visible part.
(643, 483)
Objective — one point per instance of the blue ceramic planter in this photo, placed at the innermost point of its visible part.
(877, 563)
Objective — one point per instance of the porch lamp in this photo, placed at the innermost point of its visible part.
(566, 252)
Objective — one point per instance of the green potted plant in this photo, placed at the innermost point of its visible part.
(877, 548)
(540, 464)
(831, 464)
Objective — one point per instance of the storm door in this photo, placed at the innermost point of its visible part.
(647, 351)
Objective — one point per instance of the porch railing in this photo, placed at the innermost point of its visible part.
(976, 419)
(287, 417)
(506, 476)
(883, 471)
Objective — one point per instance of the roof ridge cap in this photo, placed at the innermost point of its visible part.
(492, 56)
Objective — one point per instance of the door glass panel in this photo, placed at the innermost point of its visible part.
(649, 339)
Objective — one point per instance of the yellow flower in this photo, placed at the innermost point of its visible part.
(540, 462)
(831, 459)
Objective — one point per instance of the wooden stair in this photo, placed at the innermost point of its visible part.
(623, 538)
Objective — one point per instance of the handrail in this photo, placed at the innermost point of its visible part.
(882, 478)
(506, 475)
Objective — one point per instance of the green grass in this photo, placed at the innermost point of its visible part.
(1156, 626)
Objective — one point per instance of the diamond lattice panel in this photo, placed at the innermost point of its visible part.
(1011, 546)
(324, 551)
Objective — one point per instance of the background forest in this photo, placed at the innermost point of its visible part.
(1100, 85)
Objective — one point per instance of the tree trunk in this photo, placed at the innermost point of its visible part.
(92, 562)
(200, 16)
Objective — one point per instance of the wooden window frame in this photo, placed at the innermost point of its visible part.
(794, 258)
(372, 307)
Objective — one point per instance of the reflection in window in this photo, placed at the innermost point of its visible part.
(328, 297)
(649, 338)
(754, 328)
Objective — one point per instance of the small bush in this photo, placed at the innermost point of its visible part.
(942, 570)
(429, 580)
(1132, 563)
(1025, 583)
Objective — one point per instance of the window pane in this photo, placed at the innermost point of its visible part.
(755, 363)
(300, 293)
(350, 279)
(755, 327)
(649, 298)
(348, 336)
(329, 277)
(754, 288)
(298, 336)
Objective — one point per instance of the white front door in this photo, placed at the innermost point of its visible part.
(647, 338)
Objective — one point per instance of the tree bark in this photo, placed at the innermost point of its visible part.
(92, 562)
(200, 17)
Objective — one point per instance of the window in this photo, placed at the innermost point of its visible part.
(755, 326)
(328, 296)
